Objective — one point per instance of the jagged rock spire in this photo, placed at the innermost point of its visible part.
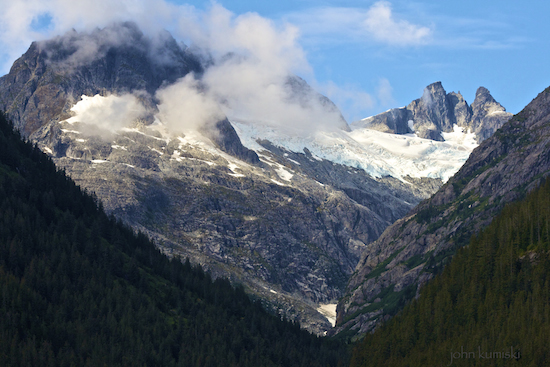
(438, 111)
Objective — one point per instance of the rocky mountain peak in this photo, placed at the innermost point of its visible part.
(434, 93)
(483, 96)
(484, 102)
(438, 112)
(46, 82)
(431, 114)
(462, 112)
(120, 56)
(62, 47)
(488, 114)
(52, 75)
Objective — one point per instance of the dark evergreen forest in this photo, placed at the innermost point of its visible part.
(489, 307)
(78, 288)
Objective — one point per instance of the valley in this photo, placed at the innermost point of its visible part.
(239, 183)
(287, 213)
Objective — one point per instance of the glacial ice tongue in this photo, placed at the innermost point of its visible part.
(377, 153)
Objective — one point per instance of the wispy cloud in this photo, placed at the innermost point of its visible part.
(355, 101)
(384, 27)
(24, 21)
(471, 33)
(377, 23)
(383, 24)
(351, 98)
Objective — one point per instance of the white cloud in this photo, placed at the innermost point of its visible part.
(252, 60)
(358, 25)
(106, 113)
(185, 107)
(252, 56)
(250, 35)
(382, 25)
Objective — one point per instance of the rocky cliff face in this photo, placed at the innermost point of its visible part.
(436, 112)
(502, 169)
(289, 226)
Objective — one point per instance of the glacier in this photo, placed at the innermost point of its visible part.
(377, 153)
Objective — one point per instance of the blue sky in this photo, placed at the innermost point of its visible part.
(367, 56)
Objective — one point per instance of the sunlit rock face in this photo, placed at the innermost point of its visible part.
(438, 111)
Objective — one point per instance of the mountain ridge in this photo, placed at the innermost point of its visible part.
(438, 111)
(490, 301)
(286, 221)
(502, 169)
(287, 225)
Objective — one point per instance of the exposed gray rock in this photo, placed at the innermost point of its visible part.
(503, 168)
(488, 114)
(462, 112)
(436, 112)
(394, 121)
(292, 242)
(431, 134)
(225, 137)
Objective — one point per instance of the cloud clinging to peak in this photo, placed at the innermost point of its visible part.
(104, 115)
(252, 56)
(251, 60)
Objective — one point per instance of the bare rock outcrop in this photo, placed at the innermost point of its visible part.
(438, 112)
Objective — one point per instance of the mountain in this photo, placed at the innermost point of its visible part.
(284, 210)
(438, 111)
(288, 225)
(489, 306)
(79, 288)
(502, 169)
(430, 138)
(52, 75)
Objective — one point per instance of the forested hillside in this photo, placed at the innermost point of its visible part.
(489, 307)
(77, 288)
